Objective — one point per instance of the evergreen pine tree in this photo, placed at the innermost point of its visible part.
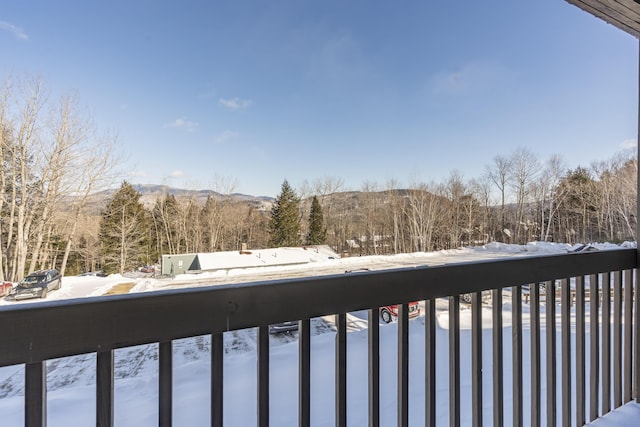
(284, 225)
(124, 231)
(317, 233)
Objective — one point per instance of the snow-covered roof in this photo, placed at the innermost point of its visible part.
(264, 257)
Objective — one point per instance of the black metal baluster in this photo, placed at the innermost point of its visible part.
(516, 337)
(617, 339)
(165, 383)
(341, 370)
(454, 361)
(594, 345)
(263, 376)
(217, 384)
(403, 365)
(580, 352)
(304, 373)
(35, 394)
(628, 336)
(374, 367)
(476, 360)
(430, 362)
(498, 359)
(565, 322)
(104, 389)
(606, 343)
(535, 355)
(636, 334)
(550, 320)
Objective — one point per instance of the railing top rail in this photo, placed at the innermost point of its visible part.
(37, 332)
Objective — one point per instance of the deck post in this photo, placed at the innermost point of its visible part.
(636, 362)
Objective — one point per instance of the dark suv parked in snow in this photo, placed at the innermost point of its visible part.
(37, 284)
(283, 327)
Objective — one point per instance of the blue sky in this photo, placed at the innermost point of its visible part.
(261, 91)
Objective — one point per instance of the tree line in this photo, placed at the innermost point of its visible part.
(53, 161)
(517, 200)
(52, 156)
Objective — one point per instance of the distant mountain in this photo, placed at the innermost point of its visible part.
(158, 190)
(346, 201)
(149, 193)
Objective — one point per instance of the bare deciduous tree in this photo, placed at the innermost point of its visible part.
(499, 173)
(549, 194)
(424, 214)
(524, 170)
(29, 102)
(45, 158)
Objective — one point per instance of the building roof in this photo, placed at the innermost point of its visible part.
(624, 14)
(264, 257)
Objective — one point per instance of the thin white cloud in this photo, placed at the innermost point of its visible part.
(138, 174)
(177, 174)
(226, 136)
(339, 60)
(208, 93)
(472, 77)
(182, 123)
(16, 31)
(629, 143)
(235, 104)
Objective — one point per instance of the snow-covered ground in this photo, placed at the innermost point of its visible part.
(71, 381)
(322, 262)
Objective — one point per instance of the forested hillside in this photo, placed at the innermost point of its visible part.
(581, 205)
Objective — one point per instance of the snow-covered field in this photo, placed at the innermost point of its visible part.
(71, 381)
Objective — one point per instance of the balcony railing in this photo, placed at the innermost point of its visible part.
(596, 371)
